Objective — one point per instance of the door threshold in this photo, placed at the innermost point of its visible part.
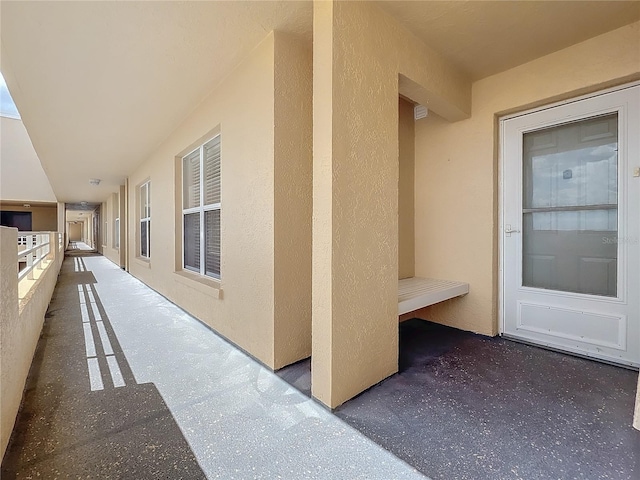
(628, 366)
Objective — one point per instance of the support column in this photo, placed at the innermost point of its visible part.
(122, 209)
(292, 174)
(355, 245)
(362, 60)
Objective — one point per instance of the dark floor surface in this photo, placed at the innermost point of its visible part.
(462, 406)
(465, 406)
(65, 430)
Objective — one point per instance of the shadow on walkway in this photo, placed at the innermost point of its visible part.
(83, 414)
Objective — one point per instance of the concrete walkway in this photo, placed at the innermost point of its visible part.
(127, 385)
(78, 245)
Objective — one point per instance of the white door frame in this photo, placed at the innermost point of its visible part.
(501, 188)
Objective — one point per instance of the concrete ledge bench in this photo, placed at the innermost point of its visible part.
(415, 293)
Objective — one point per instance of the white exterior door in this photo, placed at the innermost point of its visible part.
(570, 238)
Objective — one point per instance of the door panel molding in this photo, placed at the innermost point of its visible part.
(612, 327)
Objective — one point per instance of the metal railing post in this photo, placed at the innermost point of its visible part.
(35, 249)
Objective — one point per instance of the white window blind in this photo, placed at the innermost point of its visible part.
(201, 209)
(191, 180)
(211, 187)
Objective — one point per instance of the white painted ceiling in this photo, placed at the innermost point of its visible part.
(99, 85)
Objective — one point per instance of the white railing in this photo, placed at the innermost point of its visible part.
(33, 248)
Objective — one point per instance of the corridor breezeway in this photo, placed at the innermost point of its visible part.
(125, 384)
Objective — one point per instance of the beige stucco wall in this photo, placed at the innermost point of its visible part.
(89, 230)
(20, 325)
(111, 209)
(10, 387)
(103, 234)
(61, 221)
(262, 168)
(457, 168)
(362, 58)
(123, 198)
(75, 231)
(293, 164)
(44, 218)
(406, 201)
(94, 236)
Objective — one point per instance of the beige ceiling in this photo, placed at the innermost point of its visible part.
(99, 85)
(487, 37)
(77, 215)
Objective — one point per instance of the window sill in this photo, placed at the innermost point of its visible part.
(206, 285)
(143, 262)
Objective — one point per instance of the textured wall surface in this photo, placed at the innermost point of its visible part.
(75, 231)
(260, 304)
(60, 218)
(103, 235)
(406, 201)
(124, 225)
(10, 331)
(457, 168)
(359, 53)
(293, 164)
(110, 213)
(322, 266)
(240, 306)
(20, 326)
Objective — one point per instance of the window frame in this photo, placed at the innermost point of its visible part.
(201, 209)
(146, 221)
(116, 233)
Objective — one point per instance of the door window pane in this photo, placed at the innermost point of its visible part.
(570, 197)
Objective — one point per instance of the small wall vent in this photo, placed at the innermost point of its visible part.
(420, 111)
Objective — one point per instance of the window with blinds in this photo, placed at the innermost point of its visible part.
(201, 209)
(145, 220)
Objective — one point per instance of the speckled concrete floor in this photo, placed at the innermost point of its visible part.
(470, 407)
(80, 246)
(126, 385)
